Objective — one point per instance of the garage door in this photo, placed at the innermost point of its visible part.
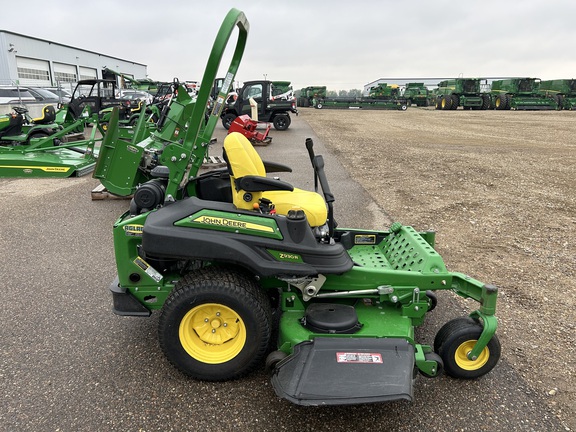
(64, 73)
(33, 72)
(87, 73)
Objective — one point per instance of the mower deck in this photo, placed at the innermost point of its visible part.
(337, 371)
(63, 162)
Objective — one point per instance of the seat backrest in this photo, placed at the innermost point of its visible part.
(242, 160)
(242, 157)
(48, 115)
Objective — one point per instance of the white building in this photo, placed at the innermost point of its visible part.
(33, 62)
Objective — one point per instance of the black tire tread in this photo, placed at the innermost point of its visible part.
(451, 335)
(229, 282)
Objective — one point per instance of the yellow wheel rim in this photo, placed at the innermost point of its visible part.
(212, 333)
(462, 360)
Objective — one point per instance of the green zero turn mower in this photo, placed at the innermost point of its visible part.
(246, 269)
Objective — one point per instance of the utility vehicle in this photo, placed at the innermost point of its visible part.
(274, 110)
(246, 269)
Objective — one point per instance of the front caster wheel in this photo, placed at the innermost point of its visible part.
(215, 325)
(453, 343)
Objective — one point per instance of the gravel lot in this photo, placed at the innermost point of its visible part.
(498, 187)
(495, 185)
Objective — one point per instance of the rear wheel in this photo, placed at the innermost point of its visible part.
(215, 325)
(453, 343)
(281, 122)
(228, 119)
(455, 102)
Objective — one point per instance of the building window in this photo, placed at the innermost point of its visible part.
(33, 74)
(65, 77)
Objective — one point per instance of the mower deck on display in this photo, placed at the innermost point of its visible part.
(46, 150)
(55, 145)
(247, 269)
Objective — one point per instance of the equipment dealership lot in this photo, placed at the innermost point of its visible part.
(498, 187)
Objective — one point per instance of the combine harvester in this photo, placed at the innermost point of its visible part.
(464, 92)
(520, 94)
(243, 267)
(380, 97)
(309, 94)
(562, 91)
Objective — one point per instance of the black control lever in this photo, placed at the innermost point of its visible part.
(320, 177)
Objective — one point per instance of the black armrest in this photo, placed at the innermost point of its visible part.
(260, 184)
(271, 167)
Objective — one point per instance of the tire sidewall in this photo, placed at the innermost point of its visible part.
(233, 368)
(448, 352)
(281, 122)
(227, 120)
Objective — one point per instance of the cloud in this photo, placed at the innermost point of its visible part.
(340, 44)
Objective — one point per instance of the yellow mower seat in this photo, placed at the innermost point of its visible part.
(244, 161)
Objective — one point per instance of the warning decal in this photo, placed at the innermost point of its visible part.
(358, 357)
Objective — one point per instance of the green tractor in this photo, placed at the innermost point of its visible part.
(464, 92)
(562, 91)
(520, 94)
(246, 269)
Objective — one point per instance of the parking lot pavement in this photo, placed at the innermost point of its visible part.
(68, 364)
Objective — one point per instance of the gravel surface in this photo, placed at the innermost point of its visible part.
(498, 187)
(504, 214)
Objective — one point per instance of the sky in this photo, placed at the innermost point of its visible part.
(342, 44)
